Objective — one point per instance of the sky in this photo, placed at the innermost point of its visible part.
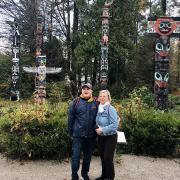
(4, 44)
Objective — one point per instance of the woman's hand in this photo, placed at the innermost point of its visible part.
(99, 130)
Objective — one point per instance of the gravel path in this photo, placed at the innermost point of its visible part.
(127, 167)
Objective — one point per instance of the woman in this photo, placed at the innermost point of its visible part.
(107, 121)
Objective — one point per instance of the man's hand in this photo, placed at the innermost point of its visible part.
(99, 130)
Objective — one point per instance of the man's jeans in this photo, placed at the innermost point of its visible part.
(86, 145)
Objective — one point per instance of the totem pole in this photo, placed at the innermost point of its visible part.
(14, 91)
(162, 28)
(40, 70)
(104, 45)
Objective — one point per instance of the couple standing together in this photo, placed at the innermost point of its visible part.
(88, 119)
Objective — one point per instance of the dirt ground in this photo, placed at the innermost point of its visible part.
(127, 167)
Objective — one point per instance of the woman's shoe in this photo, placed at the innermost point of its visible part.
(99, 178)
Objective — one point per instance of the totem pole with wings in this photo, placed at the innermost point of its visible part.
(40, 70)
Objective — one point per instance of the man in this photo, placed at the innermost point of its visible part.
(81, 123)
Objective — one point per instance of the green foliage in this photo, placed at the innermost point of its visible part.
(26, 80)
(145, 61)
(149, 131)
(118, 91)
(53, 49)
(86, 39)
(144, 94)
(29, 131)
(122, 46)
(5, 74)
(57, 92)
(175, 100)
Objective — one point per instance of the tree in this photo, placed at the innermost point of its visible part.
(164, 6)
(5, 74)
(88, 36)
(123, 33)
(24, 13)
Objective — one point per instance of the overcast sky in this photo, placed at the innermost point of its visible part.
(4, 28)
(4, 44)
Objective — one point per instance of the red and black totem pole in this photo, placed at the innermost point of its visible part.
(14, 91)
(162, 28)
(104, 45)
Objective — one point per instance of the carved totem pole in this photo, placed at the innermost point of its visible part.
(40, 70)
(14, 91)
(104, 45)
(162, 28)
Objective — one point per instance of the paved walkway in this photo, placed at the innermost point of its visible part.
(127, 167)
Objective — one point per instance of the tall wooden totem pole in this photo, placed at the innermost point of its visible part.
(14, 91)
(40, 70)
(104, 45)
(162, 28)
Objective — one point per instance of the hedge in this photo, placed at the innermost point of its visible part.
(34, 132)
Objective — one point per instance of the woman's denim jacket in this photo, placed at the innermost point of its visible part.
(108, 120)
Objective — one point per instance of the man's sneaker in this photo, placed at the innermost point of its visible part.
(85, 177)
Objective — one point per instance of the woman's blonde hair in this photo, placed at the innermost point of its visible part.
(108, 94)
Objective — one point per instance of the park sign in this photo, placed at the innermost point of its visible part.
(162, 28)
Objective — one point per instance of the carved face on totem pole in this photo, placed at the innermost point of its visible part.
(104, 53)
(163, 46)
(15, 52)
(39, 28)
(108, 3)
(161, 79)
(165, 26)
(16, 37)
(15, 74)
(103, 79)
(161, 75)
(41, 64)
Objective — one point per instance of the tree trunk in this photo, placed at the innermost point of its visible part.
(178, 64)
(72, 59)
(163, 5)
(94, 71)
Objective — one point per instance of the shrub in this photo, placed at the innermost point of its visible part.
(34, 132)
(152, 132)
(174, 102)
(144, 94)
